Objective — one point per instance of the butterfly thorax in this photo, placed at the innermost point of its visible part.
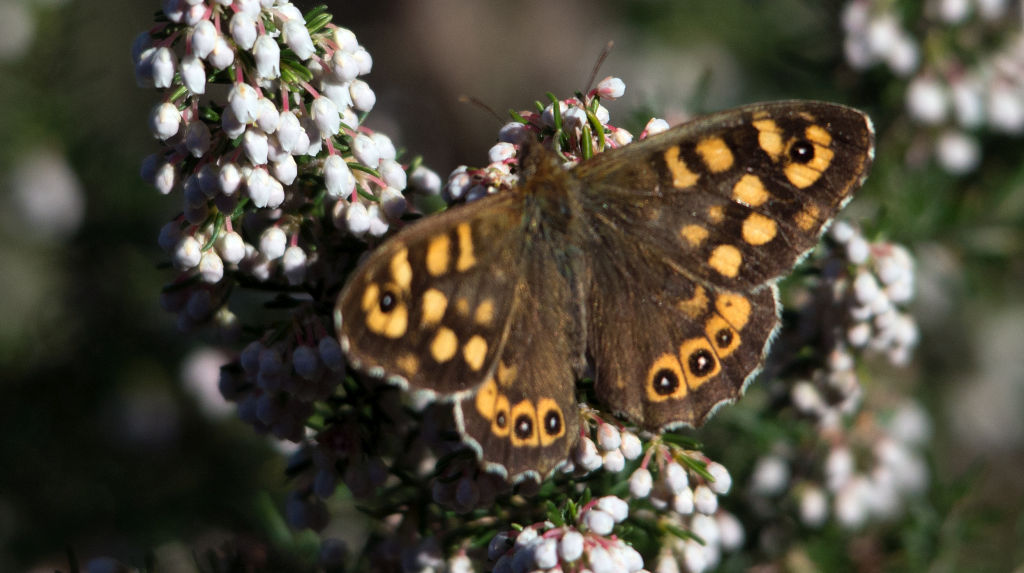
(550, 194)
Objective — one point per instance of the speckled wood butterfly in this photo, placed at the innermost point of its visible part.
(650, 268)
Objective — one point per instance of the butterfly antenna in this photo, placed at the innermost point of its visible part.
(597, 65)
(475, 101)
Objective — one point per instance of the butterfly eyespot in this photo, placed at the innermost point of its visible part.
(723, 338)
(501, 420)
(552, 423)
(388, 301)
(802, 151)
(524, 426)
(666, 382)
(701, 362)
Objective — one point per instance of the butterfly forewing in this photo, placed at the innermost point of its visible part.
(430, 307)
(736, 198)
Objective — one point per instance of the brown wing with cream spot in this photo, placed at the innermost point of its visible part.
(524, 419)
(734, 199)
(689, 229)
(430, 307)
(670, 355)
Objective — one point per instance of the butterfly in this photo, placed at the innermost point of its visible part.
(650, 267)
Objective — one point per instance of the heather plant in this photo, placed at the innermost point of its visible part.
(281, 189)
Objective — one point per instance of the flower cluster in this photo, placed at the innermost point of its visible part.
(967, 81)
(867, 460)
(589, 545)
(261, 133)
(578, 127)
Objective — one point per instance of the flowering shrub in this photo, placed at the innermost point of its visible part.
(281, 191)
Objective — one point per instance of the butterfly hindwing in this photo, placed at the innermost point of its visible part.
(524, 418)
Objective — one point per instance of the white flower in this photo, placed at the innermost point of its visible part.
(953, 11)
(548, 116)
(621, 137)
(211, 267)
(957, 152)
(222, 54)
(570, 547)
(682, 502)
(165, 120)
(365, 150)
(611, 88)
(363, 97)
(164, 64)
(730, 531)
(927, 100)
(296, 35)
(705, 500)
(513, 132)
(338, 177)
(852, 504)
(695, 556)
(268, 118)
(613, 461)
(187, 253)
(721, 481)
(770, 476)
(243, 30)
(393, 173)
(231, 247)
(640, 483)
(289, 129)
(273, 243)
(233, 128)
(904, 56)
(425, 180)
(345, 39)
(244, 101)
(258, 186)
(364, 60)
(193, 74)
(357, 218)
(229, 178)
(293, 263)
(500, 152)
(838, 467)
(165, 177)
(599, 522)
(204, 39)
(392, 203)
(285, 170)
(268, 57)
(614, 506)
(858, 250)
(655, 126)
(631, 446)
(325, 114)
(676, 478)
(344, 66)
(545, 554)
(254, 143)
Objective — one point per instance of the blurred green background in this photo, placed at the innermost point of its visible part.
(108, 447)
